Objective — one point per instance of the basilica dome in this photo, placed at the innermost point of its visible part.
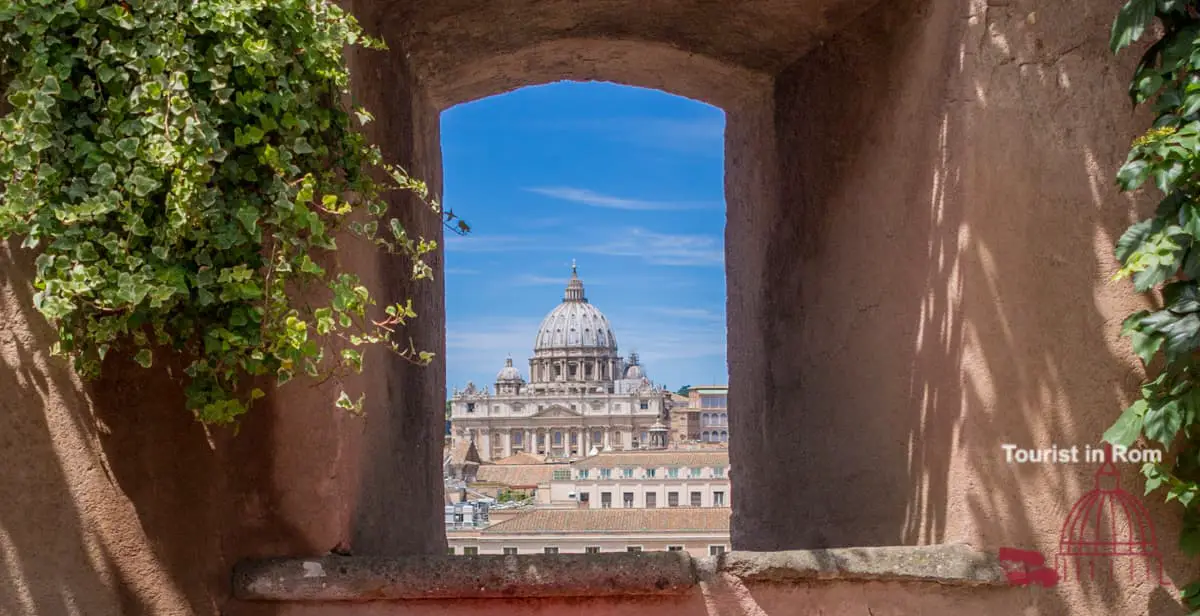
(509, 372)
(575, 323)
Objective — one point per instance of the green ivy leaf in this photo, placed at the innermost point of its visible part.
(1131, 23)
(1162, 422)
(145, 358)
(1128, 427)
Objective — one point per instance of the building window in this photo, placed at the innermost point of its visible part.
(704, 437)
(550, 550)
(591, 549)
(718, 499)
(562, 475)
(674, 548)
(718, 471)
(450, 551)
(628, 500)
(696, 472)
(583, 497)
(627, 473)
(557, 370)
(714, 402)
(471, 551)
(673, 473)
(724, 436)
(696, 496)
(558, 438)
(651, 500)
(574, 438)
(633, 548)
(518, 438)
(583, 473)
(470, 407)
(650, 473)
(606, 473)
(597, 438)
(606, 500)
(724, 419)
(645, 437)
(716, 550)
(672, 499)
(510, 551)
(643, 405)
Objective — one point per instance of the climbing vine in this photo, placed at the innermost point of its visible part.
(181, 168)
(1162, 254)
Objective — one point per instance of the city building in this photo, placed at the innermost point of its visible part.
(705, 418)
(698, 531)
(644, 480)
(581, 396)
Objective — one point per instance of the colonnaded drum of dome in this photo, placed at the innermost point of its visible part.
(588, 448)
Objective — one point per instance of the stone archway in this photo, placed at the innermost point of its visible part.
(918, 240)
(446, 53)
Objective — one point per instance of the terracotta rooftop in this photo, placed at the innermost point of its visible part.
(681, 519)
(520, 458)
(517, 475)
(463, 452)
(656, 459)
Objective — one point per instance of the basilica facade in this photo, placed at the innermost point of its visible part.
(581, 397)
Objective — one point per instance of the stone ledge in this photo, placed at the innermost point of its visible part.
(952, 564)
(338, 578)
(341, 578)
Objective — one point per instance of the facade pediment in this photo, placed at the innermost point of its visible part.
(556, 411)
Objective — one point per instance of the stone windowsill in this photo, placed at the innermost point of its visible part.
(342, 578)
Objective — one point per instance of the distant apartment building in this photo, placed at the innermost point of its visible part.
(645, 480)
(698, 531)
(704, 418)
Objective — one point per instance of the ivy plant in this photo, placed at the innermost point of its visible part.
(184, 169)
(1161, 254)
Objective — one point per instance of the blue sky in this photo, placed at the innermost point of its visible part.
(626, 181)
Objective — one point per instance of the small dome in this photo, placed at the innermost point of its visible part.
(634, 372)
(575, 323)
(509, 373)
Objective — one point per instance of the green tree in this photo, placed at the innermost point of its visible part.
(683, 391)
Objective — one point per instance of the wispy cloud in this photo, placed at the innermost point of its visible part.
(534, 280)
(698, 136)
(698, 314)
(493, 243)
(594, 199)
(459, 271)
(477, 350)
(664, 248)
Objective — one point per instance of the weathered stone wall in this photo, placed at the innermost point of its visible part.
(114, 502)
(935, 284)
(920, 222)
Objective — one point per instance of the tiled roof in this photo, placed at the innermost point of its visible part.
(517, 475)
(682, 519)
(520, 458)
(656, 459)
(463, 452)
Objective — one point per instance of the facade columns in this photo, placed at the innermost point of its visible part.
(508, 443)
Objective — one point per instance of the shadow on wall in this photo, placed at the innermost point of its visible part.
(55, 560)
(950, 211)
(114, 501)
